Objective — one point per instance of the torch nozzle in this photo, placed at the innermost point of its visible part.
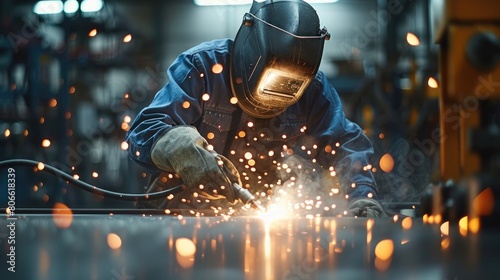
(247, 198)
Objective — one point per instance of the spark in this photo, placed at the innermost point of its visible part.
(432, 83)
(124, 146)
(407, 223)
(386, 163)
(52, 103)
(114, 241)
(217, 68)
(384, 249)
(445, 228)
(62, 215)
(412, 39)
(127, 38)
(93, 33)
(45, 143)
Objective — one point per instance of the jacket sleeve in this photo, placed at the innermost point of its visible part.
(177, 103)
(342, 145)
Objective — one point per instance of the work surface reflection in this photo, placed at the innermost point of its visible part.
(126, 246)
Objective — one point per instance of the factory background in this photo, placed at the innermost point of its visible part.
(73, 76)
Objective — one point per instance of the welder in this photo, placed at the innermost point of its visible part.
(234, 111)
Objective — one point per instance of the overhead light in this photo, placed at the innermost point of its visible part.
(47, 7)
(244, 2)
(71, 6)
(91, 6)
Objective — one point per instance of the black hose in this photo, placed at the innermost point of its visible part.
(88, 187)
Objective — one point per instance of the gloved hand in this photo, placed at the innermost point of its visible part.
(365, 207)
(184, 151)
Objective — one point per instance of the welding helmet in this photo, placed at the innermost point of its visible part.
(276, 54)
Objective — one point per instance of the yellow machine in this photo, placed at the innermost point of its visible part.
(468, 33)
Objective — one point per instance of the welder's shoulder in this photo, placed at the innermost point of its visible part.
(215, 47)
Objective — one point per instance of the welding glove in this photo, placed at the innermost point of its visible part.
(184, 151)
(365, 207)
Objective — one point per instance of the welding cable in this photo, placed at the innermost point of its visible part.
(88, 187)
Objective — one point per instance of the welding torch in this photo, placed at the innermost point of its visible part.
(242, 194)
(247, 198)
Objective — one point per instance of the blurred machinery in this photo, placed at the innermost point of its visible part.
(469, 37)
(69, 83)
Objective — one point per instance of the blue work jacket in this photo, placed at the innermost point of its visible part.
(198, 94)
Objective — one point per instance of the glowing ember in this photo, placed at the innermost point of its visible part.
(432, 83)
(52, 103)
(210, 135)
(233, 100)
(186, 104)
(407, 223)
(445, 228)
(40, 166)
(445, 243)
(205, 97)
(124, 146)
(62, 215)
(186, 250)
(412, 39)
(384, 249)
(45, 143)
(474, 225)
(463, 226)
(127, 38)
(386, 163)
(217, 68)
(114, 241)
(93, 32)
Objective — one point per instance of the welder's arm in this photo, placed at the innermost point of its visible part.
(166, 111)
(184, 151)
(353, 149)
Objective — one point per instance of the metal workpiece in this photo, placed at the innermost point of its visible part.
(174, 247)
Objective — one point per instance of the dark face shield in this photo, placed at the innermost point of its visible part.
(274, 60)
